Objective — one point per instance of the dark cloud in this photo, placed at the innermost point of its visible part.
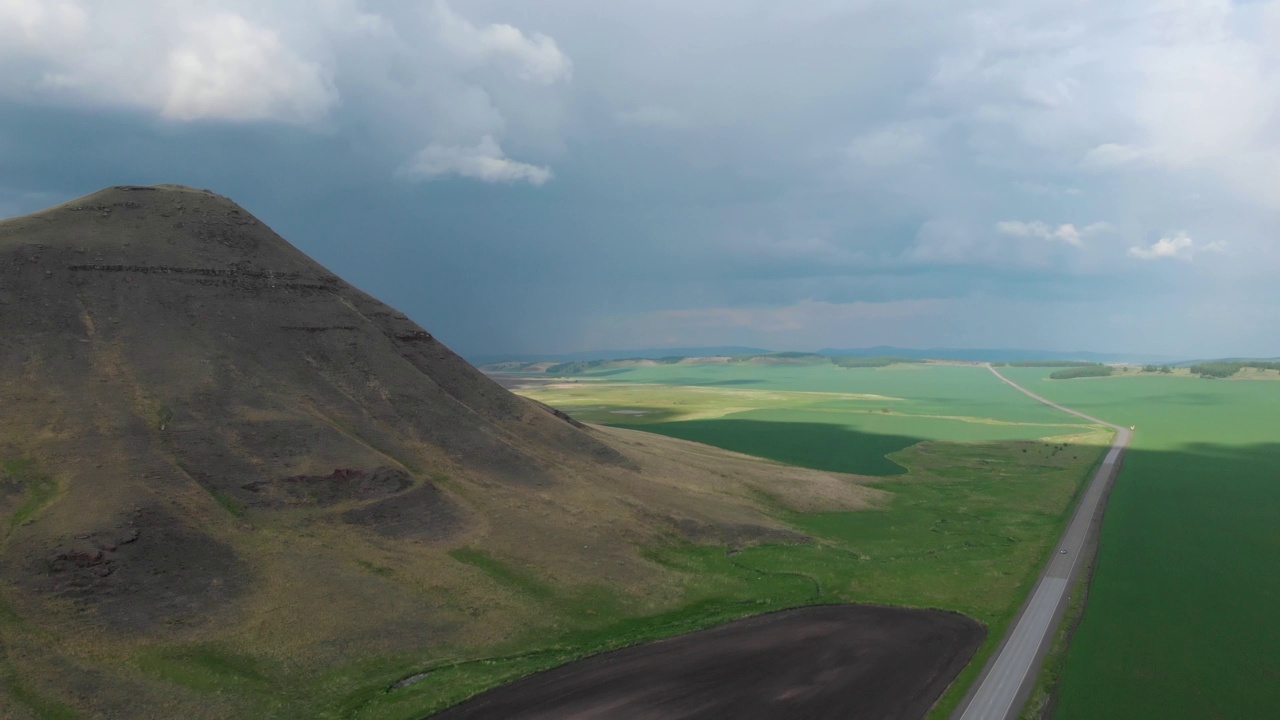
(558, 175)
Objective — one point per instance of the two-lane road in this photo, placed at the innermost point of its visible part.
(1010, 675)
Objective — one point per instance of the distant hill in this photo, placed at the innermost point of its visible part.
(609, 367)
(588, 355)
(600, 357)
(1202, 361)
(219, 457)
(996, 355)
(857, 358)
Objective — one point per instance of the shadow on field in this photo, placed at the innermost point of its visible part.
(1180, 621)
(820, 446)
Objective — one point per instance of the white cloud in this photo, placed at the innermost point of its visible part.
(1062, 248)
(1179, 246)
(534, 57)
(1066, 233)
(34, 24)
(485, 162)
(1200, 96)
(181, 62)
(409, 73)
(1125, 86)
(226, 68)
(238, 60)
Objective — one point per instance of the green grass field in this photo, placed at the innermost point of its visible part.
(977, 498)
(947, 390)
(824, 417)
(1181, 620)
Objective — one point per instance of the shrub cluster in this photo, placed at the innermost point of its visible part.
(1052, 363)
(870, 362)
(1084, 371)
(1227, 369)
(574, 368)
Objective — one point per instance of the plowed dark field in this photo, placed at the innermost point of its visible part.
(842, 661)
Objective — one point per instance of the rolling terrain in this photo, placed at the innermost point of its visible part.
(232, 485)
(979, 479)
(1176, 622)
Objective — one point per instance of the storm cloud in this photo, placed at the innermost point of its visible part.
(565, 175)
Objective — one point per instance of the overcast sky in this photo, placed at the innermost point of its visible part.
(563, 175)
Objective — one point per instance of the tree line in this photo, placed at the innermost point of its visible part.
(1082, 371)
(872, 362)
(1225, 369)
(1048, 363)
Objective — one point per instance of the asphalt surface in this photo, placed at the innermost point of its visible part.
(1010, 675)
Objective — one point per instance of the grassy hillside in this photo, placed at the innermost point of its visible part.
(1180, 621)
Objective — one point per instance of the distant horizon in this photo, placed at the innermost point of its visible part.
(887, 350)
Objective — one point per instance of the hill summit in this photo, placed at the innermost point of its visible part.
(210, 440)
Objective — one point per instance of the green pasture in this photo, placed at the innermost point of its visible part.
(1181, 620)
(823, 417)
(978, 495)
(922, 389)
(851, 443)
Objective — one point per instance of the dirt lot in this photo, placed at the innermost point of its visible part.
(870, 663)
